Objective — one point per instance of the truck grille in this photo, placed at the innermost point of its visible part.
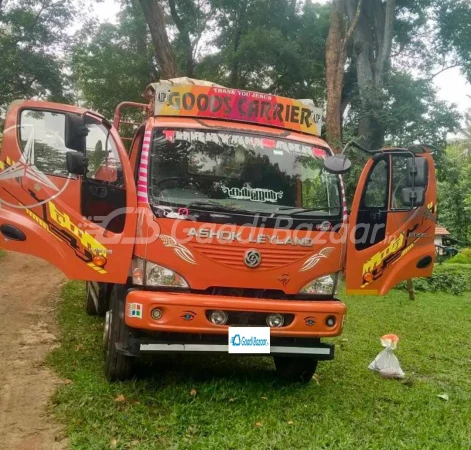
(275, 294)
(233, 256)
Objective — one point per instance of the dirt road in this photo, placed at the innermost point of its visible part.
(28, 292)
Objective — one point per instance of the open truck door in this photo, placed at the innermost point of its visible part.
(392, 223)
(67, 191)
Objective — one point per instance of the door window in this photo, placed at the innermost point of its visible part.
(376, 193)
(373, 213)
(399, 181)
(103, 159)
(42, 136)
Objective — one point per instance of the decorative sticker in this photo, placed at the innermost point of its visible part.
(310, 321)
(135, 310)
(179, 249)
(314, 259)
(142, 195)
(170, 213)
(253, 194)
(284, 279)
(234, 104)
(397, 248)
(188, 315)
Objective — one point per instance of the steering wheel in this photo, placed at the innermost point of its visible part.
(98, 191)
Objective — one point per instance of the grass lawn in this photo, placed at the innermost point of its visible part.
(2, 253)
(204, 402)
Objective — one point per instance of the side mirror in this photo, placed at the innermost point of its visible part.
(337, 164)
(76, 163)
(417, 172)
(416, 182)
(413, 197)
(76, 132)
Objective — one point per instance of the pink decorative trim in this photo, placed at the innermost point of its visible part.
(142, 188)
(344, 202)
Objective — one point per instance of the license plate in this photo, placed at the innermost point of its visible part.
(249, 340)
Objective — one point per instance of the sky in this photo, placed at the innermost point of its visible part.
(452, 86)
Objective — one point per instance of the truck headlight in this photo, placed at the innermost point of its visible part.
(325, 285)
(145, 273)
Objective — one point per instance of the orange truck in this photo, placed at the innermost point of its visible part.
(222, 228)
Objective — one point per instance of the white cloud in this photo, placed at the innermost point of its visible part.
(453, 87)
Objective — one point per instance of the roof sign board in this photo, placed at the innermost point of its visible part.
(233, 104)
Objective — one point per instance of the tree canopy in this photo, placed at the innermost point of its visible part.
(369, 63)
(32, 44)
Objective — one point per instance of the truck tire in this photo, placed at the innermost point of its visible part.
(90, 307)
(292, 368)
(118, 367)
(102, 297)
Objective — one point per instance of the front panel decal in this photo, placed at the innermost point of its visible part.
(179, 249)
(314, 259)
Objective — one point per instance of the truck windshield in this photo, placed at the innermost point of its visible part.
(221, 170)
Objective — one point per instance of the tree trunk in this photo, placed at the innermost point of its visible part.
(165, 56)
(336, 58)
(372, 49)
(185, 37)
(240, 25)
(140, 36)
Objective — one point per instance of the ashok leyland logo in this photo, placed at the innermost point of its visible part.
(249, 340)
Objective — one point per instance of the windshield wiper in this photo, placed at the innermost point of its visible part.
(215, 206)
(294, 210)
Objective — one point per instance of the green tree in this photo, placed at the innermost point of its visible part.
(393, 40)
(32, 36)
(275, 46)
(113, 63)
(454, 190)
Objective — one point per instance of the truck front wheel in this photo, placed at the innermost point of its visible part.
(97, 299)
(292, 368)
(118, 367)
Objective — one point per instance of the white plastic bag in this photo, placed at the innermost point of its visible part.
(386, 362)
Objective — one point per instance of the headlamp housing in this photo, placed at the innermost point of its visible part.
(146, 273)
(324, 285)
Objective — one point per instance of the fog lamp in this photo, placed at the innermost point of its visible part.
(218, 317)
(330, 321)
(156, 313)
(275, 320)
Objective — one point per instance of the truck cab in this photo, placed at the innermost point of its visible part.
(220, 224)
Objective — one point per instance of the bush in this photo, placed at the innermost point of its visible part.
(452, 278)
(464, 257)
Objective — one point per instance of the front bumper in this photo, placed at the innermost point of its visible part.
(213, 344)
(184, 312)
